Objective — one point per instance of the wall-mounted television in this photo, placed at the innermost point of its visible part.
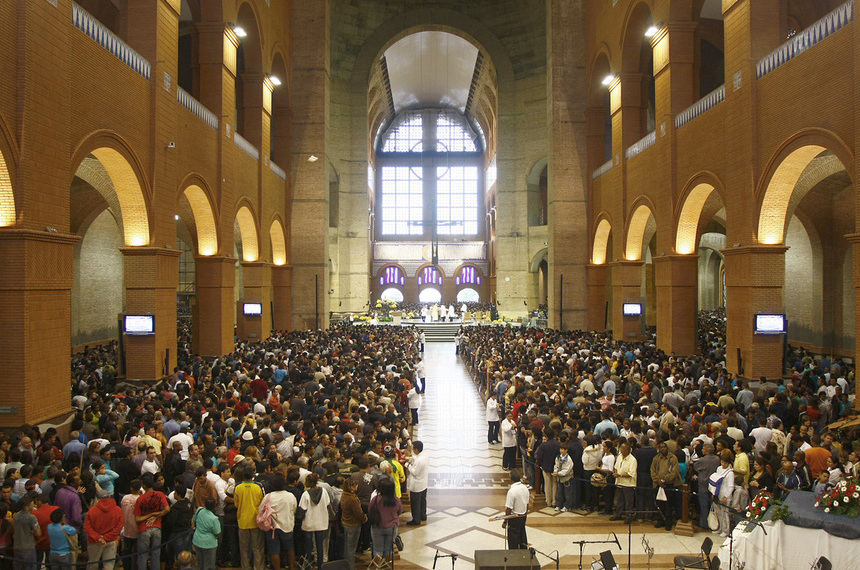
(252, 309)
(631, 309)
(769, 324)
(138, 324)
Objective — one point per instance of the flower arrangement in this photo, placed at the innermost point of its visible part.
(843, 499)
(759, 506)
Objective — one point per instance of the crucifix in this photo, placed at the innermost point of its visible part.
(434, 234)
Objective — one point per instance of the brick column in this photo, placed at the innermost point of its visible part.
(282, 293)
(35, 296)
(253, 94)
(854, 239)
(755, 276)
(257, 289)
(676, 299)
(215, 312)
(151, 279)
(626, 288)
(597, 278)
(309, 228)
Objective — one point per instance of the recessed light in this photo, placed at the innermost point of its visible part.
(312, 158)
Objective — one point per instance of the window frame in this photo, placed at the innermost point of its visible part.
(430, 161)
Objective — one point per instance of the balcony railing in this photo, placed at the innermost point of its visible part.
(279, 172)
(832, 22)
(86, 23)
(602, 169)
(246, 146)
(640, 145)
(196, 107)
(703, 105)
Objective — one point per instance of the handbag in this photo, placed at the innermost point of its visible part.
(661, 494)
(598, 480)
(713, 520)
(73, 545)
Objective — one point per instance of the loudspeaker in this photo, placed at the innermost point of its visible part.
(505, 559)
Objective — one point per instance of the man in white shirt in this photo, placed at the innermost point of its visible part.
(414, 404)
(493, 419)
(517, 503)
(419, 374)
(416, 483)
(184, 439)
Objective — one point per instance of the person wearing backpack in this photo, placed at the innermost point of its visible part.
(207, 529)
(278, 514)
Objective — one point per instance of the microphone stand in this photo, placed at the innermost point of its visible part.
(582, 544)
(452, 556)
(555, 559)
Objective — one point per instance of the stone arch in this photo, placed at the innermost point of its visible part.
(600, 248)
(249, 62)
(637, 63)
(696, 195)
(804, 281)
(248, 233)
(197, 196)
(637, 226)
(636, 21)
(537, 187)
(541, 255)
(129, 183)
(8, 164)
(776, 190)
(279, 243)
(281, 116)
(601, 66)
(536, 171)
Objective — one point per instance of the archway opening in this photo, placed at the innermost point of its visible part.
(392, 294)
(468, 295)
(430, 295)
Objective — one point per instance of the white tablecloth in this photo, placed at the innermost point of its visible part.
(788, 548)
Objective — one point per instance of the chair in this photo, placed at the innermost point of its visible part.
(700, 562)
(336, 565)
(715, 563)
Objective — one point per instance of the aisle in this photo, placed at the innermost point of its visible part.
(467, 486)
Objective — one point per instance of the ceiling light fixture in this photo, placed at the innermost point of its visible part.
(274, 79)
(238, 30)
(312, 158)
(608, 79)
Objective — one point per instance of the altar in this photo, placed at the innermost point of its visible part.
(797, 542)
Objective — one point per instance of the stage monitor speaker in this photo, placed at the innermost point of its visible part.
(505, 559)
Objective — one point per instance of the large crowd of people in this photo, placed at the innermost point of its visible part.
(619, 427)
(306, 435)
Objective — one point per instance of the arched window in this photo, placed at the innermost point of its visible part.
(392, 294)
(430, 176)
(468, 274)
(392, 275)
(430, 276)
(468, 295)
(430, 295)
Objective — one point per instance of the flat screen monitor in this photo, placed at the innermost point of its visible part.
(139, 324)
(632, 309)
(252, 308)
(769, 324)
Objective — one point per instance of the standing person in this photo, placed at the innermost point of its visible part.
(721, 484)
(517, 504)
(43, 514)
(414, 404)
(365, 485)
(129, 529)
(509, 442)
(388, 509)
(352, 517)
(419, 374)
(493, 419)
(207, 528)
(563, 474)
(59, 534)
(26, 532)
(704, 467)
(545, 456)
(315, 525)
(644, 495)
(178, 523)
(417, 483)
(248, 496)
(422, 338)
(280, 540)
(149, 509)
(103, 525)
(666, 474)
(625, 483)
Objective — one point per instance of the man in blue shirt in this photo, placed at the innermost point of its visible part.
(607, 425)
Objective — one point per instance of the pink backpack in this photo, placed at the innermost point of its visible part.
(266, 516)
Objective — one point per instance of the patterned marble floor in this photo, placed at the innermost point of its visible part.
(468, 486)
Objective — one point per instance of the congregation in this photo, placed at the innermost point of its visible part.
(309, 429)
(619, 427)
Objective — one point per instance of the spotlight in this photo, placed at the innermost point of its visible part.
(238, 30)
(274, 79)
(653, 29)
(608, 79)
